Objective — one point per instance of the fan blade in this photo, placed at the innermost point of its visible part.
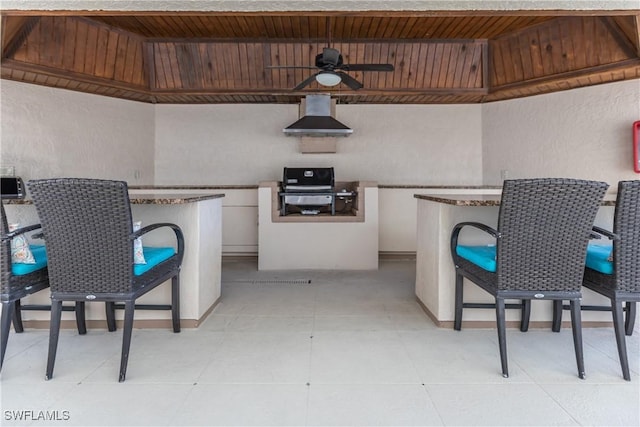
(330, 56)
(306, 82)
(349, 81)
(367, 67)
(306, 67)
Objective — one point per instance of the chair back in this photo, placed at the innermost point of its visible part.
(87, 227)
(5, 256)
(626, 225)
(544, 227)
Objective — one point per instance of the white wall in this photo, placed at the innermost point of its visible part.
(296, 5)
(391, 144)
(53, 133)
(579, 133)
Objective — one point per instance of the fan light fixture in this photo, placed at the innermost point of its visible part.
(328, 78)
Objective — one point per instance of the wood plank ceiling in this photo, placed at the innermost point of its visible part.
(461, 57)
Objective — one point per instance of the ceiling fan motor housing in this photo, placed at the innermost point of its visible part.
(329, 58)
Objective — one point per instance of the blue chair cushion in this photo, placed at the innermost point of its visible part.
(39, 254)
(599, 258)
(482, 256)
(153, 256)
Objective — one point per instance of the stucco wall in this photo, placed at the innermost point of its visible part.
(244, 144)
(580, 133)
(52, 133)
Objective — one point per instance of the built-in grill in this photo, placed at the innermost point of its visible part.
(309, 189)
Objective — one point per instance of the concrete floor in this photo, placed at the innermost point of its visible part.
(319, 348)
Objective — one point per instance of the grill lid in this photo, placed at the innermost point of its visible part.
(308, 179)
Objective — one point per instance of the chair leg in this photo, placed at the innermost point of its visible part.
(576, 326)
(502, 335)
(618, 327)
(526, 315)
(457, 324)
(129, 309)
(557, 315)
(175, 302)
(17, 317)
(54, 334)
(5, 326)
(631, 317)
(110, 310)
(80, 318)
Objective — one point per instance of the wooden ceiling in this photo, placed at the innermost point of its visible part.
(439, 57)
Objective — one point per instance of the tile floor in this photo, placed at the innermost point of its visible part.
(349, 348)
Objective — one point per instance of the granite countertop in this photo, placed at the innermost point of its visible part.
(462, 199)
(170, 199)
(144, 199)
(193, 187)
(453, 187)
(483, 199)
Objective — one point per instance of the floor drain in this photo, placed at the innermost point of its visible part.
(272, 281)
(282, 282)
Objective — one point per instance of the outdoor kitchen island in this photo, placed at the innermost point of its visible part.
(200, 218)
(438, 213)
(344, 240)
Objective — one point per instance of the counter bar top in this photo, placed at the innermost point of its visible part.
(144, 199)
(193, 187)
(437, 186)
(483, 199)
(169, 199)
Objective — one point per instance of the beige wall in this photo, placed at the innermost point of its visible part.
(391, 144)
(48, 132)
(583, 133)
(579, 133)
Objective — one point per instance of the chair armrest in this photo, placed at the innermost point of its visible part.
(20, 231)
(176, 229)
(602, 232)
(458, 227)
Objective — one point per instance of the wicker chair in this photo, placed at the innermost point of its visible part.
(23, 282)
(87, 225)
(541, 241)
(618, 278)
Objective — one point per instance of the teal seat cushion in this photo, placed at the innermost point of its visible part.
(599, 258)
(482, 256)
(39, 254)
(153, 256)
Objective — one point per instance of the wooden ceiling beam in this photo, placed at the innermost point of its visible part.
(620, 36)
(630, 26)
(15, 32)
(84, 78)
(335, 92)
(575, 74)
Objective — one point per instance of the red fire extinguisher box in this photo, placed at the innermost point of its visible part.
(636, 146)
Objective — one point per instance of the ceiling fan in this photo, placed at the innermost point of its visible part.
(332, 70)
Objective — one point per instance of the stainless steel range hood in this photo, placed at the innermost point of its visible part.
(317, 120)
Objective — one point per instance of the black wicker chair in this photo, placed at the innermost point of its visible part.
(19, 284)
(616, 278)
(87, 226)
(543, 230)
